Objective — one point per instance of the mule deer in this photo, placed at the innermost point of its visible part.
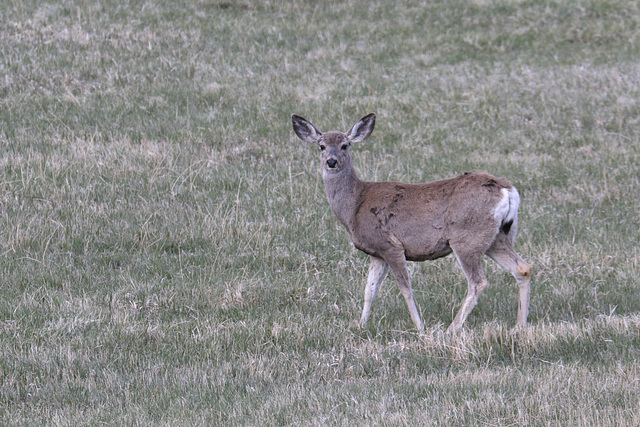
(470, 215)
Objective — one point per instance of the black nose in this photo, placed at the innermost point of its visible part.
(332, 163)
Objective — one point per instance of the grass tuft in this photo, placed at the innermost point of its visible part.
(167, 254)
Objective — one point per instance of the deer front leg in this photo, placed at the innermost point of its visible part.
(378, 269)
(398, 265)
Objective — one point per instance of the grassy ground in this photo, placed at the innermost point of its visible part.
(167, 255)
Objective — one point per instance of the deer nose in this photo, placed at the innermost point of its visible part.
(332, 163)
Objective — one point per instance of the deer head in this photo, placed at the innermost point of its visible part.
(334, 146)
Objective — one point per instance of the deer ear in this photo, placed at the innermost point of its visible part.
(305, 130)
(361, 130)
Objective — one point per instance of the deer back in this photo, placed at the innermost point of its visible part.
(425, 219)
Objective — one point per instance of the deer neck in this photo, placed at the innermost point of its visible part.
(343, 191)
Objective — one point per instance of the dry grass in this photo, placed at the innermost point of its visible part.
(167, 255)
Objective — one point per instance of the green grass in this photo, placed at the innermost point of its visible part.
(168, 257)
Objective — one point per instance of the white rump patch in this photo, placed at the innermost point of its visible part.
(507, 208)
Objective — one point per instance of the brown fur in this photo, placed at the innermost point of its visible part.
(470, 215)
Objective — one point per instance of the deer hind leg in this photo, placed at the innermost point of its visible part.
(398, 265)
(472, 267)
(378, 269)
(502, 252)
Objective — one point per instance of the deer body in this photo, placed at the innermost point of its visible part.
(470, 215)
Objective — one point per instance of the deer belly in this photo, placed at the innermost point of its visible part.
(425, 253)
(415, 247)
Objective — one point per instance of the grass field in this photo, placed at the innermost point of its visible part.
(168, 257)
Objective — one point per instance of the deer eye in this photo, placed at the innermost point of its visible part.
(344, 146)
(322, 147)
